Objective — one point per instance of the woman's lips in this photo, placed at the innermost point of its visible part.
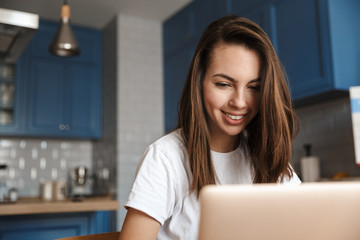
(232, 118)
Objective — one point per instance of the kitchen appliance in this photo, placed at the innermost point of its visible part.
(79, 183)
(16, 30)
(101, 182)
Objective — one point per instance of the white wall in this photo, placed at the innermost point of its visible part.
(140, 114)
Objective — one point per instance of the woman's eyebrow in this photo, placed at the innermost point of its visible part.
(224, 76)
(232, 79)
(255, 80)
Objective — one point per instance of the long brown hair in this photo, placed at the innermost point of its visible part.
(269, 134)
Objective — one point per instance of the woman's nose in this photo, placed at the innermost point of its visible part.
(238, 99)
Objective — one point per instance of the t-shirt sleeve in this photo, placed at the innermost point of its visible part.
(153, 190)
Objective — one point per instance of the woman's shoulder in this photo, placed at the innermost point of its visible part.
(169, 140)
(169, 150)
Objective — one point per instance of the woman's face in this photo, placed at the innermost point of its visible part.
(231, 91)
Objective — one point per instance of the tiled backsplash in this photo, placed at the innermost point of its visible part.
(328, 127)
(32, 161)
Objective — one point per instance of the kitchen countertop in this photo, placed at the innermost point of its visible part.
(38, 206)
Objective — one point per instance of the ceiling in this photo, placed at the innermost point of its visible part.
(97, 13)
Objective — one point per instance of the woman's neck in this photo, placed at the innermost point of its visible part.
(224, 144)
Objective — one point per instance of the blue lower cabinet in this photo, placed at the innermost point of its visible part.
(53, 226)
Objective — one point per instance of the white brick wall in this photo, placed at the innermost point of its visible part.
(140, 117)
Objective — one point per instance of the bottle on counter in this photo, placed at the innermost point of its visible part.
(310, 166)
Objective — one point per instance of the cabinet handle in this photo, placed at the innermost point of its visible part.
(62, 127)
(67, 127)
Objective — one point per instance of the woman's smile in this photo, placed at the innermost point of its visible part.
(233, 116)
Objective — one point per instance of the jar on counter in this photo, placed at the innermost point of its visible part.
(46, 191)
(59, 190)
(13, 195)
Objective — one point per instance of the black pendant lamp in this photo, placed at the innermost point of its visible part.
(64, 43)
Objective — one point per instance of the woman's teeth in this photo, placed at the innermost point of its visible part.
(234, 117)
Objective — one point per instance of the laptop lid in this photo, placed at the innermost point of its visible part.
(329, 211)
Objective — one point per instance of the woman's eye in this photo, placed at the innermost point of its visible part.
(220, 84)
(255, 88)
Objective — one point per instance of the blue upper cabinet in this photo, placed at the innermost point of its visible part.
(343, 25)
(301, 38)
(59, 97)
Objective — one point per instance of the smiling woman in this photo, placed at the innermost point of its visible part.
(235, 126)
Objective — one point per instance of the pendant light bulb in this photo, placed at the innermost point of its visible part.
(64, 43)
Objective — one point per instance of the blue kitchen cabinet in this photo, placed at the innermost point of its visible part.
(63, 100)
(59, 97)
(53, 226)
(301, 38)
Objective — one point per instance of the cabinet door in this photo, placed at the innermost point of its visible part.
(301, 46)
(64, 99)
(82, 101)
(45, 105)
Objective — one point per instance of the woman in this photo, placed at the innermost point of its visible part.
(236, 124)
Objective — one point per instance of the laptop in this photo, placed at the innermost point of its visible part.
(310, 211)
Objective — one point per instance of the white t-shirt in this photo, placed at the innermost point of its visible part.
(163, 178)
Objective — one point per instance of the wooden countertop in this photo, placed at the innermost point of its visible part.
(37, 206)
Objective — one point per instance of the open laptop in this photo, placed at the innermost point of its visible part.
(310, 211)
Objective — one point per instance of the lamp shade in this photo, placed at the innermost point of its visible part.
(64, 43)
